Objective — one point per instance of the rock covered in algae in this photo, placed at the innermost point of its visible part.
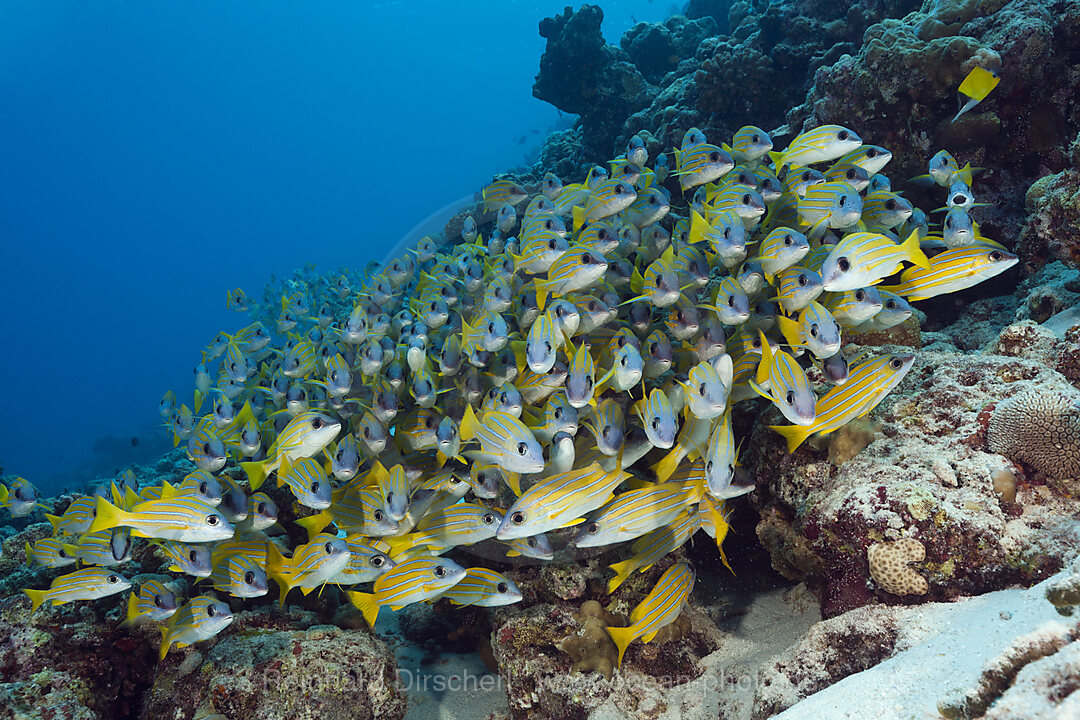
(318, 672)
(929, 477)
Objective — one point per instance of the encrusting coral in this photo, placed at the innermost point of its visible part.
(890, 570)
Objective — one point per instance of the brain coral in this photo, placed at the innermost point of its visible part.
(889, 566)
(1040, 428)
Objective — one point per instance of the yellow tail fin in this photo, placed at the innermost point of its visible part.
(29, 554)
(256, 473)
(622, 637)
(669, 463)
(165, 643)
(622, 571)
(107, 517)
(36, 597)
(367, 604)
(579, 218)
(198, 401)
(790, 330)
(133, 613)
(795, 434)
(468, 426)
(315, 524)
(914, 252)
(541, 287)
(513, 481)
(54, 520)
(277, 571)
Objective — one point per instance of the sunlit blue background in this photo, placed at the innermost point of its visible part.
(154, 154)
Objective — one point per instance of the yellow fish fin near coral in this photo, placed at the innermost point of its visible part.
(976, 86)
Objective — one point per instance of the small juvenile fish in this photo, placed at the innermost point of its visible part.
(86, 584)
(660, 607)
(201, 618)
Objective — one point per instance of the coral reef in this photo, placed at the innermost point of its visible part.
(1041, 429)
(927, 478)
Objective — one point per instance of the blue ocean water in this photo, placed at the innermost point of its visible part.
(157, 154)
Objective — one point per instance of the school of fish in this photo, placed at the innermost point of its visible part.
(571, 361)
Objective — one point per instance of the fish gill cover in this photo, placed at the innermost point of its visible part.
(676, 325)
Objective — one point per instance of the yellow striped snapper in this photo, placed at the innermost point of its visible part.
(871, 158)
(865, 258)
(307, 481)
(883, 209)
(393, 486)
(850, 173)
(724, 233)
(76, 519)
(700, 164)
(581, 380)
(262, 513)
(782, 381)
(200, 618)
(951, 271)
(408, 582)
(606, 199)
(657, 418)
(312, 564)
(731, 305)
(238, 575)
(20, 498)
(749, 144)
(153, 602)
(781, 248)
(366, 563)
(707, 387)
(357, 510)
(236, 300)
(48, 552)
(483, 588)
(86, 584)
(559, 501)
(814, 329)
(797, 287)
(205, 448)
(194, 560)
(821, 144)
(654, 545)
(634, 513)
(852, 307)
(305, 436)
(578, 268)
(459, 524)
(829, 205)
(105, 548)
(867, 383)
(894, 310)
(504, 441)
(496, 194)
(659, 608)
(182, 519)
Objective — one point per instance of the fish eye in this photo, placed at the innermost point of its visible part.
(367, 433)
(731, 301)
(860, 295)
(592, 528)
(803, 280)
(377, 560)
(202, 488)
(429, 422)
(701, 389)
(329, 548)
(788, 240)
(522, 448)
(727, 233)
(491, 327)
(558, 413)
(714, 156)
(843, 200)
(587, 259)
(502, 587)
(378, 515)
(844, 264)
(890, 303)
(622, 361)
(850, 174)
(211, 520)
(842, 135)
(896, 363)
(249, 578)
(709, 466)
(61, 553)
(193, 556)
(113, 579)
(206, 448)
(588, 381)
(439, 571)
(531, 542)
(620, 189)
(316, 423)
(890, 204)
(656, 423)
(551, 244)
(746, 199)
(518, 518)
(995, 256)
(211, 611)
(315, 486)
(814, 330)
(789, 397)
(948, 223)
(547, 346)
(871, 153)
(488, 518)
(261, 508)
